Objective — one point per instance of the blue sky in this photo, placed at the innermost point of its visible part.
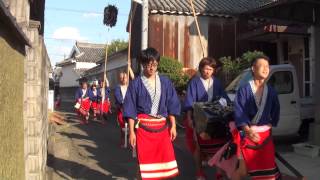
(69, 20)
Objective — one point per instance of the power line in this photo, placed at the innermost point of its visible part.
(62, 39)
(78, 11)
(61, 55)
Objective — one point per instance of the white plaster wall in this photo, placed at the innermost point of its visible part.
(85, 65)
(69, 76)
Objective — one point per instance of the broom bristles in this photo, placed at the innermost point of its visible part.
(110, 15)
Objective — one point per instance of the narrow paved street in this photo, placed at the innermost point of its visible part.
(92, 152)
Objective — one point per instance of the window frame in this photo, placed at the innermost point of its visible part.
(292, 82)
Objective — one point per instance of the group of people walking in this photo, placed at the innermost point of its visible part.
(150, 104)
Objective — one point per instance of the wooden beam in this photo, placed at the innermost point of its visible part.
(273, 29)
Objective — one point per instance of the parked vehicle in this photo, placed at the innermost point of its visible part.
(294, 110)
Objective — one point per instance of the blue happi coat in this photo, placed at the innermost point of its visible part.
(245, 107)
(138, 100)
(79, 93)
(196, 92)
(118, 96)
(97, 97)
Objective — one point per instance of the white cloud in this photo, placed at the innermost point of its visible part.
(63, 50)
(91, 15)
(68, 33)
(58, 52)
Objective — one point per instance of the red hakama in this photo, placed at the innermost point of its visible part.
(105, 106)
(84, 107)
(155, 151)
(207, 147)
(260, 157)
(95, 107)
(120, 118)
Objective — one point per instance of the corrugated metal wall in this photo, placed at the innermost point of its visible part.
(177, 37)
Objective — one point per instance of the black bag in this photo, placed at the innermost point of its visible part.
(217, 129)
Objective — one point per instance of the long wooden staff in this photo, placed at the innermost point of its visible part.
(197, 24)
(110, 20)
(129, 70)
(105, 75)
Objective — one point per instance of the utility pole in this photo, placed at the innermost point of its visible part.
(145, 18)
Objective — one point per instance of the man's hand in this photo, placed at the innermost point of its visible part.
(132, 139)
(132, 135)
(253, 136)
(173, 132)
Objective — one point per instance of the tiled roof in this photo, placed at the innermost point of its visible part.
(90, 52)
(206, 7)
(80, 72)
(64, 62)
(85, 52)
(93, 70)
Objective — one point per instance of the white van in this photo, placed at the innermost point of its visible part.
(293, 109)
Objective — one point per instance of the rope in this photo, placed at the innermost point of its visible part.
(197, 25)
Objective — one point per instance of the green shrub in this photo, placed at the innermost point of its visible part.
(247, 57)
(233, 67)
(173, 69)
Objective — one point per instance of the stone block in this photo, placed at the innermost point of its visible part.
(32, 164)
(33, 128)
(33, 146)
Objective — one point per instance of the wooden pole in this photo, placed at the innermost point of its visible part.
(105, 75)
(197, 24)
(129, 70)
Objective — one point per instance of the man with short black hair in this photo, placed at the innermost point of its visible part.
(151, 99)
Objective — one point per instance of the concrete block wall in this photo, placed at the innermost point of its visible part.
(34, 97)
(36, 111)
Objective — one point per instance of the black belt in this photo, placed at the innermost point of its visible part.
(153, 130)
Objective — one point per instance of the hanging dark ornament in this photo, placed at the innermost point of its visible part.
(110, 15)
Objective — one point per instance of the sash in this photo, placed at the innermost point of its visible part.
(260, 107)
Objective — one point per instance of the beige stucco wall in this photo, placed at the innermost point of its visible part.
(11, 109)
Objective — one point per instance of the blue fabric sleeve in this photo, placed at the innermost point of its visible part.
(78, 94)
(130, 102)
(240, 113)
(90, 94)
(275, 109)
(117, 95)
(190, 97)
(223, 93)
(173, 102)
